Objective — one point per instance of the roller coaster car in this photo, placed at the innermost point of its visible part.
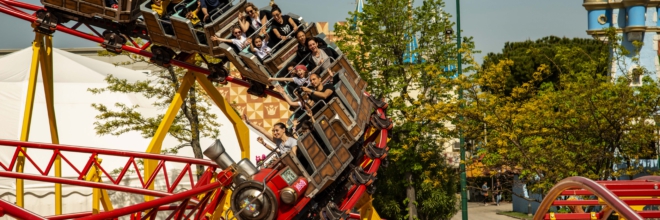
(248, 64)
(297, 185)
(126, 11)
(289, 87)
(177, 32)
(344, 81)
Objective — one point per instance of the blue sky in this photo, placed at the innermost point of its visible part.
(490, 22)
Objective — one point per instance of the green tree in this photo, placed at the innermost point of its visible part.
(584, 124)
(419, 184)
(193, 121)
(545, 50)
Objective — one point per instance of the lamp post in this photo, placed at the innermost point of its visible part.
(460, 97)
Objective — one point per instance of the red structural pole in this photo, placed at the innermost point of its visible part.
(83, 183)
(83, 214)
(17, 212)
(617, 192)
(596, 202)
(123, 153)
(154, 203)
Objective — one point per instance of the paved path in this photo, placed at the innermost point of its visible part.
(477, 211)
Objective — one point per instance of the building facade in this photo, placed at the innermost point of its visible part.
(634, 20)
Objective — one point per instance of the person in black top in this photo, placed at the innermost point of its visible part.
(322, 57)
(317, 92)
(256, 18)
(207, 8)
(282, 26)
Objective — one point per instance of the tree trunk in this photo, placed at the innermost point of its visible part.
(189, 109)
(193, 117)
(410, 193)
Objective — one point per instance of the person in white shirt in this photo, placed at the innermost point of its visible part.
(260, 46)
(283, 139)
(240, 40)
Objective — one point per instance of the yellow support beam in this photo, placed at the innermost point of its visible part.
(157, 141)
(242, 131)
(99, 196)
(27, 114)
(46, 60)
(367, 211)
(223, 206)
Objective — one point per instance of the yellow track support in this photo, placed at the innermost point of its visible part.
(164, 127)
(367, 211)
(99, 196)
(188, 80)
(242, 131)
(42, 57)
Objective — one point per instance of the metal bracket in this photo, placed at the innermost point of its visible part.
(359, 177)
(162, 55)
(46, 22)
(373, 152)
(381, 123)
(332, 212)
(218, 72)
(378, 103)
(112, 41)
(257, 89)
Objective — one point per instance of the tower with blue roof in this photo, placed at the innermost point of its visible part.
(634, 20)
(358, 9)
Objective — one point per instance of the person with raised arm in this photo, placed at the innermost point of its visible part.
(260, 46)
(206, 8)
(300, 76)
(256, 18)
(284, 141)
(240, 40)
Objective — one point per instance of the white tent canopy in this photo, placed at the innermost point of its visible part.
(73, 76)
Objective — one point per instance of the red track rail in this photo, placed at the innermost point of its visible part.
(356, 191)
(204, 185)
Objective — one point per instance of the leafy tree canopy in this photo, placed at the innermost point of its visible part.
(529, 55)
(583, 124)
(418, 183)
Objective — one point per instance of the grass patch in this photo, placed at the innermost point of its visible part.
(517, 215)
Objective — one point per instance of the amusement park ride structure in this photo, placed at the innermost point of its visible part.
(210, 197)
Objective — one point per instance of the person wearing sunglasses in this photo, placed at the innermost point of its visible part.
(256, 19)
(240, 40)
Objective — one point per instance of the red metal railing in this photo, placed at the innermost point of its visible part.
(203, 186)
(608, 192)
